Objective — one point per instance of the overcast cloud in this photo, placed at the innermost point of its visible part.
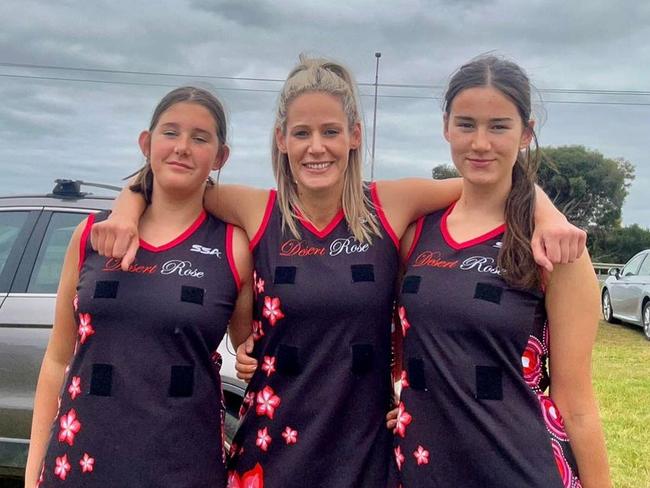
(52, 127)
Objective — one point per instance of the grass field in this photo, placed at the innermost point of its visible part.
(622, 381)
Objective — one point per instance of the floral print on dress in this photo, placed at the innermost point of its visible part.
(62, 467)
(85, 327)
(263, 439)
(75, 387)
(250, 479)
(272, 310)
(403, 419)
(531, 362)
(70, 426)
(290, 435)
(87, 463)
(268, 365)
(258, 331)
(421, 455)
(403, 321)
(403, 378)
(249, 399)
(267, 402)
(399, 457)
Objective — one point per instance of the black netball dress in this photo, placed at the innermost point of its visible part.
(141, 405)
(313, 415)
(473, 410)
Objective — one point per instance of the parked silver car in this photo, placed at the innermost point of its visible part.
(34, 235)
(626, 293)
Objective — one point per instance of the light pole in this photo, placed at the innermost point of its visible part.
(374, 121)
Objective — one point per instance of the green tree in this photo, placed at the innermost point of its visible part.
(586, 186)
(618, 245)
(444, 171)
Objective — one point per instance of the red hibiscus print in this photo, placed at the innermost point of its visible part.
(263, 439)
(267, 402)
(404, 381)
(268, 365)
(69, 427)
(258, 331)
(553, 418)
(62, 467)
(250, 479)
(259, 286)
(290, 435)
(85, 327)
(403, 419)
(75, 387)
(421, 455)
(531, 362)
(404, 321)
(399, 457)
(272, 310)
(87, 463)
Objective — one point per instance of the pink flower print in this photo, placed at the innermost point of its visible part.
(553, 418)
(75, 303)
(267, 402)
(404, 381)
(421, 455)
(69, 427)
(62, 467)
(85, 327)
(268, 366)
(272, 310)
(399, 457)
(258, 332)
(75, 387)
(531, 362)
(403, 419)
(259, 286)
(217, 360)
(87, 463)
(248, 400)
(263, 439)
(403, 320)
(290, 435)
(562, 465)
(250, 479)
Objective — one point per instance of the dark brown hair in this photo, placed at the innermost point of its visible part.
(515, 259)
(144, 176)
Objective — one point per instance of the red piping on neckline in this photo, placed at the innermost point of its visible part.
(416, 238)
(84, 239)
(472, 242)
(340, 215)
(231, 257)
(187, 233)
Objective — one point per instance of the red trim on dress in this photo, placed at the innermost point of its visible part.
(230, 230)
(186, 234)
(382, 216)
(265, 221)
(84, 239)
(321, 234)
(416, 237)
(472, 242)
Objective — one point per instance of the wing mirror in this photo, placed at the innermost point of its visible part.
(614, 272)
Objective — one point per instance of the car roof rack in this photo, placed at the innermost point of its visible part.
(65, 188)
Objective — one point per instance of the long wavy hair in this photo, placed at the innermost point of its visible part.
(315, 75)
(515, 257)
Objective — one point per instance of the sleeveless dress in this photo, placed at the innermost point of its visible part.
(314, 412)
(141, 405)
(473, 410)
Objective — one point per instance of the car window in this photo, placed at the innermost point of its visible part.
(645, 267)
(45, 276)
(632, 267)
(11, 223)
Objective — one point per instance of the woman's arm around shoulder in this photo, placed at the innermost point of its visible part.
(240, 205)
(57, 357)
(240, 321)
(572, 304)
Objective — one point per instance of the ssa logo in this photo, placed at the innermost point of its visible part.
(206, 250)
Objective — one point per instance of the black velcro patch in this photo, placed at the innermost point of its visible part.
(181, 383)
(363, 358)
(416, 378)
(192, 294)
(362, 272)
(288, 360)
(489, 383)
(411, 284)
(106, 289)
(488, 292)
(101, 380)
(284, 275)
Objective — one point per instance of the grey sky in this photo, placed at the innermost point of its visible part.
(53, 128)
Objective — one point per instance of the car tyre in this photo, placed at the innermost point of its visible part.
(645, 318)
(607, 308)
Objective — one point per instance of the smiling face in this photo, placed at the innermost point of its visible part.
(485, 132)
(317, 141)
(183, 148)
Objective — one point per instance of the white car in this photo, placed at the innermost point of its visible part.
(626, 293)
